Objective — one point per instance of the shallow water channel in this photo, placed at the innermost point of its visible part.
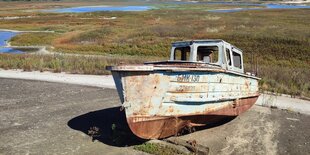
(4, 37)
(257, 7)
(99, 8)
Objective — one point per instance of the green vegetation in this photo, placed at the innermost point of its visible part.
(278, 38)
(157, 149)
(26, 39)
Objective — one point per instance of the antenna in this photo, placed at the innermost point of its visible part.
(252, 62)
(256, 65)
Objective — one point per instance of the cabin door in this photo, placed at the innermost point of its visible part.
(228, 56)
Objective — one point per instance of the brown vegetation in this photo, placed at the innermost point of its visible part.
(278, 38)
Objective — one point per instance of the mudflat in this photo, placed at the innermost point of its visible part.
(54, 118)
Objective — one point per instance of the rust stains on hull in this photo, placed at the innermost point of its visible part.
(164, 126)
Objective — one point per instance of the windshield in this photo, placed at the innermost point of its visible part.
(182, 53)
(207, 54)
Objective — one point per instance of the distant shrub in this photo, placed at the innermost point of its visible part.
(92, 36)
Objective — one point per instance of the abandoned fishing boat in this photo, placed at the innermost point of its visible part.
(203, 81)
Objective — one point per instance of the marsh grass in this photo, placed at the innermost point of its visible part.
(31, 39)
(157, 149)
(285, 80)
(62, 63)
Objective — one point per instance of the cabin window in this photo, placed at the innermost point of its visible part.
(207, 54)
(237, 60)
(182, 53)
(228, 57)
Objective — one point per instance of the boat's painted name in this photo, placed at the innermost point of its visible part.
(188, 78)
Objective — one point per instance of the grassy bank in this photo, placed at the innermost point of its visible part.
(61, 63)
(278, 38)
(287, 80)
(157, 149)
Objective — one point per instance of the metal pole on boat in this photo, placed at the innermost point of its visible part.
(252, 61)
(256, 65)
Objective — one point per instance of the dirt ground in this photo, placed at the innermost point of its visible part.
(53, 118)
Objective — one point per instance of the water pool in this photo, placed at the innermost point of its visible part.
(84, 9)
(4, 37)
(262, 7)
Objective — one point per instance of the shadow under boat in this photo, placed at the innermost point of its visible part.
(110, 127)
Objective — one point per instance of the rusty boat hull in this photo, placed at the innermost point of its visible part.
(160, 100)
(161, 127)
